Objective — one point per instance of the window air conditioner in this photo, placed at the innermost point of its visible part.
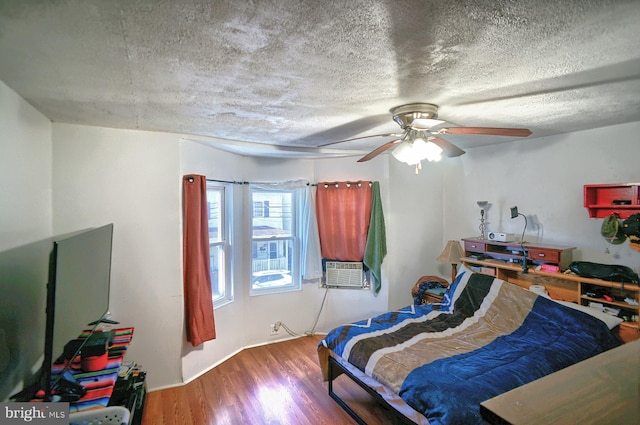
(345, 275)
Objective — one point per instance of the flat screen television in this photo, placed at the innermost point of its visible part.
(77, 299)
(79, 286)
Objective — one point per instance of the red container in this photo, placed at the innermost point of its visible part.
(550, 268)
(95, 363)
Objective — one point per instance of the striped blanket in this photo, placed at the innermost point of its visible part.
(488, 337)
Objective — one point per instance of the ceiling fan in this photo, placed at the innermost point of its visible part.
(419, 141)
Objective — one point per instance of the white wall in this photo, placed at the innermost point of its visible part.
(544, 177)
(25, 172)
(131, 179)
(416, 232)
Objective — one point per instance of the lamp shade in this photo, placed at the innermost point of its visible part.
(452, 253)
(414, 151)
(404, 153)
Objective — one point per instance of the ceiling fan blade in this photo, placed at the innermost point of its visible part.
(343, 131)
(448, 148)
(514, 132)
(362, 137)
(377, 151)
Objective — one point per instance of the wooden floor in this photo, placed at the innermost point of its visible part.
(276, 384)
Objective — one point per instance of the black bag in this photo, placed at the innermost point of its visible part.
(610, 272)
(631, 226)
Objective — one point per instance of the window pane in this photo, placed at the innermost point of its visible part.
(271, 264)
(257, 209)
(214, 202)
(216, 269)
(275, 218)
(274, 246)
(219, 229)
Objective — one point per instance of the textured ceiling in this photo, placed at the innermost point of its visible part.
(252, 74)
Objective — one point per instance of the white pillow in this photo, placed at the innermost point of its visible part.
(609, 320)
(462, 268)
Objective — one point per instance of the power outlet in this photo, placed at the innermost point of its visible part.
(275, 328)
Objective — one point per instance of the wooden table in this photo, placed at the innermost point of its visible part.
(601, 390)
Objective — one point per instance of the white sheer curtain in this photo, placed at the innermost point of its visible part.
(311, 264)
(307, 226)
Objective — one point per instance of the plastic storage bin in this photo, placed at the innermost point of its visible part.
(118, 415)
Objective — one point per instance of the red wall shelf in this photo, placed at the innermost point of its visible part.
(602, 200)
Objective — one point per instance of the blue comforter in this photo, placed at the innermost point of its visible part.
(487, 338)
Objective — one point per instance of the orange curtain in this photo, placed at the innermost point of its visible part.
(344, 212)
(198, 305)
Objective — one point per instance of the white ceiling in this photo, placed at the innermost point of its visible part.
(281, 77)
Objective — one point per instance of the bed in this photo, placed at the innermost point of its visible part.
(434, 364)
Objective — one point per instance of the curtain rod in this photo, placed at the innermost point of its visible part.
(227, 181)
(326, 184)
(244, 182)
(348, 183)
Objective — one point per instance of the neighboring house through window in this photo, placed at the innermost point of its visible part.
(274, 241)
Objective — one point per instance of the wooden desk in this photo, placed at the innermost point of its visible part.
(599, 390)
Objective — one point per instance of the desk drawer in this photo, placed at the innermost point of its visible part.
(627, 331)
(551, 256)
(474, 246)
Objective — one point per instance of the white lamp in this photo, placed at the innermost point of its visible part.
(482, 205)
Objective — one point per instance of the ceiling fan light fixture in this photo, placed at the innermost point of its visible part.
(413, 151)
(428, 150)
(404, 153)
